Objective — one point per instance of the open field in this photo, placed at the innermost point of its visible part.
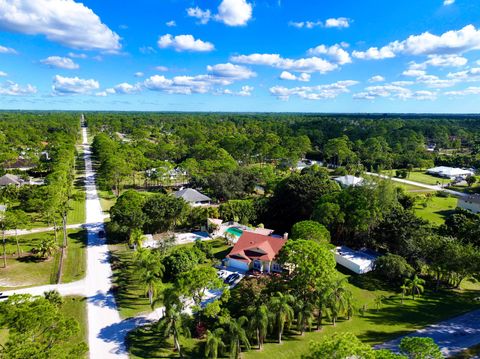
(437, 209)
(29, 271)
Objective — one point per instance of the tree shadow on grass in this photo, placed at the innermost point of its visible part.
(32, 259)
(79, 237)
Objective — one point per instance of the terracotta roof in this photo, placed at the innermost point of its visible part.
(251, 246)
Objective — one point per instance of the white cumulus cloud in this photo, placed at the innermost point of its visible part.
(67, 22)
(450, 42)
(448, 2)
(231, 71)
(308, 65)
(376, 78)
(7, 50)
(3, 74)
(203, 16)
(320, 92)
(229, 12)
(73, 85)
(11, 88)
(171, 23)
(341, 22)
(304, 77)
(60, 63)
(335, 52)
(184, 43)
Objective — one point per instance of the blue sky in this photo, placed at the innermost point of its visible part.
(241, 55)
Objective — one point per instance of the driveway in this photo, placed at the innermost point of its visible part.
(453, 335)
(418, 184)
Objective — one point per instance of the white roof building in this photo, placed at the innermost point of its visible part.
(449, 172)
(357, 261)
(348, 181)
(470, 203)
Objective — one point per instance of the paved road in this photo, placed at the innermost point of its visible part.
(453, 335)
(418, 184)
(101, 307)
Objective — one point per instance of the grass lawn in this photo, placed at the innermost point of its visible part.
(76, 308)
(437, 209)
(107, 199)
(392, 320)
(29, 271)
(422, 177)
(130, 297)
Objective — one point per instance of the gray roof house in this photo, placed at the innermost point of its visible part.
(193, 197)
(9, 179)
(348, 180)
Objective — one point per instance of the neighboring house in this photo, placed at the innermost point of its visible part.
(193, 197)
(256, 251)
(359, 262)
(450, 172)
(470, 203)
(9, 179)
(349, 181)
(21, 164)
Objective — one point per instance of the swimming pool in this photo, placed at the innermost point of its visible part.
(235, 231)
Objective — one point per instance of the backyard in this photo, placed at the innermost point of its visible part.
(435, 209)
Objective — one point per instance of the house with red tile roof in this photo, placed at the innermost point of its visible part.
(256, 251)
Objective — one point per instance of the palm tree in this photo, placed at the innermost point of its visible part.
(174, 324)
(404, 290)
(337, 299)
(214, 344)
(136, 238)
(349, 305)
(304, 315)
(415, 285)
(258, 322)
(321, 301)
(17, 219)
(150, 271)
(237, 336)
(379, 299)
(282, 311)
(47, 248)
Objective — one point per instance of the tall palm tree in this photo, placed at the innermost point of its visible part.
(136, 238)
(174, 324)
(404, 290)
(282, 311)
(321, 301)
(237, 336)
(214, 344)
(337, 299)
(304, 311)
(150, 271)
(258, 322)
(415, 285)
(379, 300)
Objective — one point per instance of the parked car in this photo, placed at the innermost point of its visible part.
(233, 277)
